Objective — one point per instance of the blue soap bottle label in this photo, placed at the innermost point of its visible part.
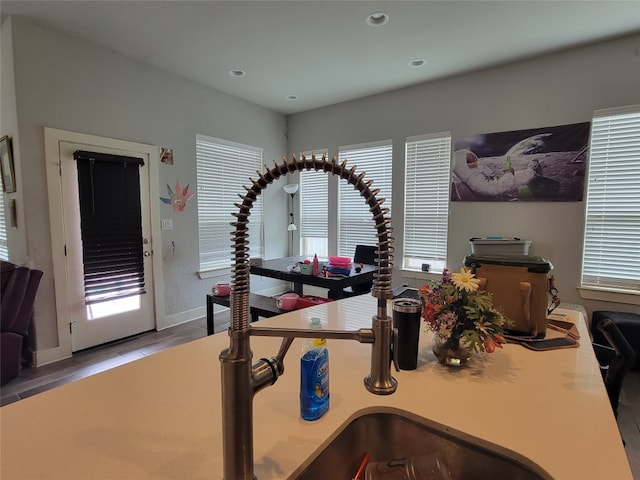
(314, 377)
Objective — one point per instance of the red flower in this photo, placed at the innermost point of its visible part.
(490, 344)
(429, 313)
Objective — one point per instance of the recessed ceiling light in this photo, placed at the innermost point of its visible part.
(418, 62)
(376, 19)
(291, 97)
(237, 73)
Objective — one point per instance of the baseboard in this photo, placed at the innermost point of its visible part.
(183, 317)
(50, 355)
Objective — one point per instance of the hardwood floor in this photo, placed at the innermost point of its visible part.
(32, 381)
(89, 362)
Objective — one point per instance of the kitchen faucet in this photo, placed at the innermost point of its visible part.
(241, 379)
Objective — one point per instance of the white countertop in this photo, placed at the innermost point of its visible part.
(159, 417)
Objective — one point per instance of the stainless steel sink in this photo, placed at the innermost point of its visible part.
(387, 434)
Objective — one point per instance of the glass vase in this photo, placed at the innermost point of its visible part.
(449, 352)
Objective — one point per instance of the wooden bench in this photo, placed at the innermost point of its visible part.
(259, 306)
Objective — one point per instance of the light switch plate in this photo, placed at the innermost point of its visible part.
(167, 224)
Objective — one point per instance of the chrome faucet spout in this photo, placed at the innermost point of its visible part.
(241, 379)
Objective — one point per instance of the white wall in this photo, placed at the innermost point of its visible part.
(68, 84)
(557, 89)
(9, 126)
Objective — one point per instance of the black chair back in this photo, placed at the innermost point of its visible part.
(365, 254)
(621, 358)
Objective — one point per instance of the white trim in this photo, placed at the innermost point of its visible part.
(51, 355)
(229, 143)
(427, 136)
(358, 146)
(606, 112)
(602, 295)
(185, 317)
(52, 139)
(214, 273)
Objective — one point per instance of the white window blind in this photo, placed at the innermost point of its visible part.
(314, 219)
(355, 222)
(426, 200)
(4, 248)
(222, 169)
(611, 256)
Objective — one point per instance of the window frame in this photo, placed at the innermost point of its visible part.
(314, 209)
(607, 269)
(4, 241)
(220, 171)
(425, 235)
(357, 216)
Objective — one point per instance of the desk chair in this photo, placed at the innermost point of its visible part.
(615, 360)
(629, 325)
(364, 254)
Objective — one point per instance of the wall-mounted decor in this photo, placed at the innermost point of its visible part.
(6, 165)
(540, 164)
(166, 156)
(178, 199)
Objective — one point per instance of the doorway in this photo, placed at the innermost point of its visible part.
(82, 321)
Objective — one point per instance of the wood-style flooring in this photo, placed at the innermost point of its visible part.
(89, 362)
(32, 381)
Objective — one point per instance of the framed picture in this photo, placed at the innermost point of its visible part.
(6, 166)
(539, 164)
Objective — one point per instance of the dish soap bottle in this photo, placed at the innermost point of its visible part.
(314, 376)
(315, 266)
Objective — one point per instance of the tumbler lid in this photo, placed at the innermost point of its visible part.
(407, 305)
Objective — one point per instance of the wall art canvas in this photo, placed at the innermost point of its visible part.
(539, 164)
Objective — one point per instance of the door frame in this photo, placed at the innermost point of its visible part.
(52, 139)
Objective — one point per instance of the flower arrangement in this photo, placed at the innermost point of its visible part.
(457, 311)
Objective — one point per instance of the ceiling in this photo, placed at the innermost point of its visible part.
(324, 52)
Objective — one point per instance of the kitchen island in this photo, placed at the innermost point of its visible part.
(159, 417)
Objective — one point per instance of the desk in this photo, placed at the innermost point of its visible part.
(259, 306)
(279, 268)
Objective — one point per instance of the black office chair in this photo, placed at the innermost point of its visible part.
(615, 360)
(365, 254)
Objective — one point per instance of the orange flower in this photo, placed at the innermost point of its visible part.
(489, 345)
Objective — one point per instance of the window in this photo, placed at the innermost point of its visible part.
(222, 168)
(426, 201)
(314, 218)
(111, 232)
(4, 247)
(612, 220)
(355, 223)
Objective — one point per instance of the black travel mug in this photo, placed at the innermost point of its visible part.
(406, 318)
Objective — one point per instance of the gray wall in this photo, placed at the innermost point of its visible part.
(68, 84)
(557, 89)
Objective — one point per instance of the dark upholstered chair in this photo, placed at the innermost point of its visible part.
(19, 287)
(615, 359)
(629, 325)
